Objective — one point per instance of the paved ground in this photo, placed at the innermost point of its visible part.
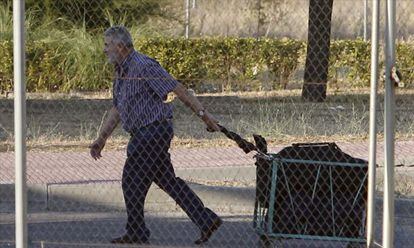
(71, 167)
(91, 227)
(69, 229)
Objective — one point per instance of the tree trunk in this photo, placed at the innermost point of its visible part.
(317, 57)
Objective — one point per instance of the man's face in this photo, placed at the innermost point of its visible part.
(112, 50)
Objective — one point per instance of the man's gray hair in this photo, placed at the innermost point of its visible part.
(121, 35)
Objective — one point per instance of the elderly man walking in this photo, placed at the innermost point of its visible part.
(140, 89)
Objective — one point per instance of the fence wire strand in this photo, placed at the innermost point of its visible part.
(117, 119)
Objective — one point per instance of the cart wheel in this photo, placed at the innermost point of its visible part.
(265, 242)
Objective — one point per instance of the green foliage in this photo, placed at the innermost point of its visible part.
(234, 64)
(58, 61)
(6, 65)
(65, 65)
(94, 15)
(6, 21)
(405, 62)
(350, 62)
(73, 60)
(287, 57)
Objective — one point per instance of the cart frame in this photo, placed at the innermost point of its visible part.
(263, 217)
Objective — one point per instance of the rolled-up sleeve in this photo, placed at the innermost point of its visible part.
(160, 81)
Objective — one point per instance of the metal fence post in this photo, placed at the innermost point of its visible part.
(366, 20)
(259, 16)
(19, 124)
(389, 102)
(373, 124)
(187, 18)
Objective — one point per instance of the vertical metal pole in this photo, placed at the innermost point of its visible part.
(259, 16)
(365, 20)
(187, 18)
(389, 102)
(20, 123)
(373, 124)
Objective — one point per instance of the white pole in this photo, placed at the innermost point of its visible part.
(365, 20)
(187, 18)
(373, 124)
(20, 123)
(389, 102)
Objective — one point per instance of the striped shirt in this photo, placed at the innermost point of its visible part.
(140, 88)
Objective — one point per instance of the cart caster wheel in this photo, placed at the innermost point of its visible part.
(265, 242)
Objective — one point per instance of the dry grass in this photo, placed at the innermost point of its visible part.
(59, 122)
(71, 122)
(244, 18)
(404, 182)
(287, 18)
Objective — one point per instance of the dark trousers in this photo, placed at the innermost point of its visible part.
(148, 160)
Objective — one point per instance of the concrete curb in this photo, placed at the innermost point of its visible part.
(107, 195)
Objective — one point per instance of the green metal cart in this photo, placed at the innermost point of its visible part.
(311, 191)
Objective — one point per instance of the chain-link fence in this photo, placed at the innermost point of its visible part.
(292, 73)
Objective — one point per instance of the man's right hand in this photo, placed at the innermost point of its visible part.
(96, 148)
(211, 122)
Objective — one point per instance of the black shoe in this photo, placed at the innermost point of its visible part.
(205, 235)
(128, 239)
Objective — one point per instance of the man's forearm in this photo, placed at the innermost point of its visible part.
(109, 125)
(188, 99)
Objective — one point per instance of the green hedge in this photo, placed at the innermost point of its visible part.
(6, 65)
(350, 63)
(204, 64)
(232, 63)
(405, 60)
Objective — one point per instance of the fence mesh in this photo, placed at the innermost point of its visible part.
(287, 166)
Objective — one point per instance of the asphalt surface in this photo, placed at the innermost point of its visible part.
(75, 201)
(73, 167)
(168, 229)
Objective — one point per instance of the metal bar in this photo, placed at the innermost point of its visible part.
(366, 20)
(272, 195)
(187, 18)
(373, 124)
(389, 102)
(355, 200)
(255, 215)
(322, 162)
(332, 199)
(311, 237)
(316, 182)
(20, 124)
(359, 191)
(263, 218)
(259, 15)
(292, 205)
